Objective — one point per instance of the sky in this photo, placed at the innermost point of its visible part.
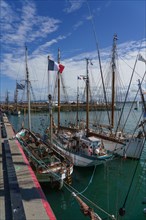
(76, 28)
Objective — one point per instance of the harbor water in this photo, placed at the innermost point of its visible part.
(105, 188)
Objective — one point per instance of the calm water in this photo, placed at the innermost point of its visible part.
(105, 186)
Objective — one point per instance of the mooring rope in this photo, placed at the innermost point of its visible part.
(89, 181)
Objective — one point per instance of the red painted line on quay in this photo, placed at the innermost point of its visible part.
(44, 201)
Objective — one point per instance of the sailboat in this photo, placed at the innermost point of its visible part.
(48, 164)
(113, 136)
(85, 151)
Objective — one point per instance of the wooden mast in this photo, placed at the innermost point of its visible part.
(113, 78)
(87, 97)
(77, 102)
(28, 90)
(142, 96)
(58, 91)
(51, 117)
(16, 98)
(7, 100)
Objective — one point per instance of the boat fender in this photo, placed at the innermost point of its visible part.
(144, 210)
(122, 211)
(97, 151)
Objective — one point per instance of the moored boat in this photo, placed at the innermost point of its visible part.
(84, 150)
(47, 164)
(114, 135)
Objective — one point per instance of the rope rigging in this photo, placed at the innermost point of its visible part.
(122, 209)
(71, 189)
(89, 181)
(99, 60)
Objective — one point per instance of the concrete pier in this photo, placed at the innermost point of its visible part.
(21, 197)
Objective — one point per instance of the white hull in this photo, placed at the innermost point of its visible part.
(132, 148)
(83, 160)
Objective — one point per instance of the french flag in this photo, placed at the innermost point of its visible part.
(53, 66)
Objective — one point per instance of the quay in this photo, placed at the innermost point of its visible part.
(43, 107)
(21, 196)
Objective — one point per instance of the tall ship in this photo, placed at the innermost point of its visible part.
(93, 144)
(114, 134)
(48, 164)
(75, 142)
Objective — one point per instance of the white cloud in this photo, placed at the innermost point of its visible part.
(45, 47)
(73, 5)
(75, 66)
(7, 15)
(28, 26)
(78, 24)
(16, 27)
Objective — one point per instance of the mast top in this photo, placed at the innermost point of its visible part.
(59, 55)
(25, 47)
(115, 37)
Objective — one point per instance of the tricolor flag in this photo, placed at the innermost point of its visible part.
(53, 66)
(140, 58)
(20, 86)
(61, 68)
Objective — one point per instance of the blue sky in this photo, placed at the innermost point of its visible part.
(46, 25)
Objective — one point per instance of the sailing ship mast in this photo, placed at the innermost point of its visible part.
(113, 78)
(7, 100)
(87, 96)
(28, 89)
(144, 107)
(51, 117)
(16, 98)
(77, 103)
(58, 91)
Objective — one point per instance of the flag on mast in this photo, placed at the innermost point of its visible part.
(61, 68)
(53, 66)
(140, 58)
(20, 86)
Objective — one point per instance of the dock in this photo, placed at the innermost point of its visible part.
(21, 196)
(43, 107)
